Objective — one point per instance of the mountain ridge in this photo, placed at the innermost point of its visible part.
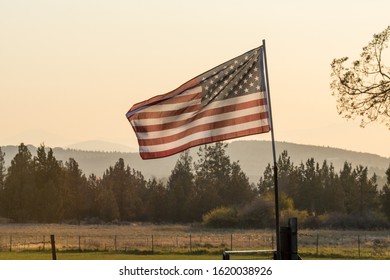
(253, 156)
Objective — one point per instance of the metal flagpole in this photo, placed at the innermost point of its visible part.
(276, 188)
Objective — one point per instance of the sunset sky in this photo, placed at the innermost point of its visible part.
(71, 69)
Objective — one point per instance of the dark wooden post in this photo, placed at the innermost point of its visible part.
(225, 256)
(53, 247)
(285, 243)
(289, 240)
(293, 225)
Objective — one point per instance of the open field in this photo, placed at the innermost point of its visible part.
(146, 241)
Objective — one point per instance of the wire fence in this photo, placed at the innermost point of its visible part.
(359, 245)
(154, 242)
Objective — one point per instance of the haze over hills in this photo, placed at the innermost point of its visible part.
(253, 156)
(101, 146)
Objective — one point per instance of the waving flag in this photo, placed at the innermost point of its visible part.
(226, 102)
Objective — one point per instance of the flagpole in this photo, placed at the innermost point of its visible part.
(276, 188)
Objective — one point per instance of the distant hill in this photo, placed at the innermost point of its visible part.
(253, 157)
(101, 146)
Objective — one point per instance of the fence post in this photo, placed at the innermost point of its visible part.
(231, 242)
(79, 243)
(190, 243)
(53, 247)
(293, 225)
(152, 243)
(317, 243)
(115, 242)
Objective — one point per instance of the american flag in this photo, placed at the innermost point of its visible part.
(226, 102)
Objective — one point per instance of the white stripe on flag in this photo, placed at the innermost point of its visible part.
(202, 121)
(184, 116)
(204, 134)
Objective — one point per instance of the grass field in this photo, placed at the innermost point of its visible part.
(330, 254)
(178, 242)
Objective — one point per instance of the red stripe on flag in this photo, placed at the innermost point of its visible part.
(200, 128)
(157, 99)
(226, 102)
(165, 153)
(207, 113)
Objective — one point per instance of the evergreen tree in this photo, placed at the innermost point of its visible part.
(347, 183)
(2, 170)
(128, 187)
(239, 191)
(155, 203)
(2, 181)
(367, 191)
(333, 197)
(212, 172)
(180, 190)
(266, 183)
(385, 196)
(47, 201)
(73, 191)
(107, 208)
(19, 187)
(215, 185)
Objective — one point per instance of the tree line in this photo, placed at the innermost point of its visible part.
(212, 189)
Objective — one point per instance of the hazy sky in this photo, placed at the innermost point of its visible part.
(71, 69)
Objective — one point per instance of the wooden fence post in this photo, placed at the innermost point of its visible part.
(53, 247)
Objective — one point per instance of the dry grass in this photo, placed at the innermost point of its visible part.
(187, 239)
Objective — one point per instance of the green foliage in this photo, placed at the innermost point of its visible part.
(218, 181)
(214, 190)
(19, 187)
(2, 170)
(221, 217)
(2, 180)
(258, 213)
(370, 220)
(181, 191)
(385, 196)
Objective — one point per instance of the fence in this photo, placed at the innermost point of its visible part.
(360, 245)
(154, 242)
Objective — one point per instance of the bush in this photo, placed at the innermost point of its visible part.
(371, 220)
(221, 217)
(259, 213)
(302, 216)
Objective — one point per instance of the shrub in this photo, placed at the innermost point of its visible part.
(371, 220)
(259, 213)
(221, 217)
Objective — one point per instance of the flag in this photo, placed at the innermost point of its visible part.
(226, 102)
